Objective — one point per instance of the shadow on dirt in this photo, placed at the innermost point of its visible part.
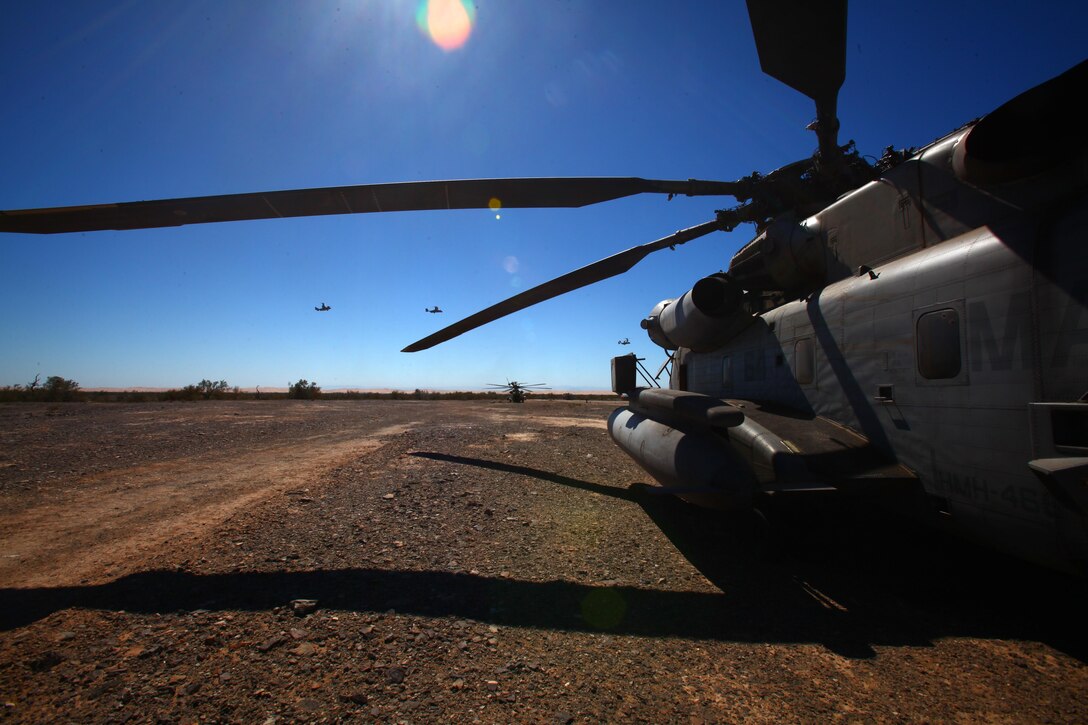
(839, 576)
(851, 576)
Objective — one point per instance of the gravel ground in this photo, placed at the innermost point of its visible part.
(380, 561)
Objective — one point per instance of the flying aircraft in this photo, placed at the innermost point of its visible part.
(624, 341)
(433, 310)
(323, 308)
(516, 391)
(912, 329)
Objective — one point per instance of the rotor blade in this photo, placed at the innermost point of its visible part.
(406, 196)
(603, 269)
(802, 43)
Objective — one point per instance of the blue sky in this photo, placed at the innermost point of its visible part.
(107, 102)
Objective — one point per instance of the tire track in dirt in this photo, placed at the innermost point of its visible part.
(110, 528)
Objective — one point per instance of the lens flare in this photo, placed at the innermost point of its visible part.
(448, 23)
(604, 608)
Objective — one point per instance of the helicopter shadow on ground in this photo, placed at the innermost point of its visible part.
(849, 587)
(844, 573)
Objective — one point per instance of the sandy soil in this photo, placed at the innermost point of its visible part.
(291, 561)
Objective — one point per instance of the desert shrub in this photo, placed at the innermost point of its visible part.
(209, 389)
(58, 389)
(304, 390)
(205, 389)
(12, 393)
(55, 390)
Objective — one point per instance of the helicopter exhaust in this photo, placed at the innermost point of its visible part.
(702, 318)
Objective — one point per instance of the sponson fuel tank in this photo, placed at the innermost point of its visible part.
(714, 453)
(670, 433)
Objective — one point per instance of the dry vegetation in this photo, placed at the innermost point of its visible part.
(421, 561)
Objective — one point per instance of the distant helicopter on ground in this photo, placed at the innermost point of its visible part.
(912, 329)
(323, 308)
(433, 310)
(624, 341)
(518, 392)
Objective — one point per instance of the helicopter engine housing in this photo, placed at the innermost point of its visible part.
(786, 256)
(702, 318)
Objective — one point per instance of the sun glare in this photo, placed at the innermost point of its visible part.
(448, 23)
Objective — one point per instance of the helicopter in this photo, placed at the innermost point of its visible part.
(518, 392)
(323, 308)
(624, 341)
(910, 329)
(433, 310)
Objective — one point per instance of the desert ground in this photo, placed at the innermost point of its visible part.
(414, 561)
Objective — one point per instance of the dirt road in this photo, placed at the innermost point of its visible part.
(114, 521)
(475, 561)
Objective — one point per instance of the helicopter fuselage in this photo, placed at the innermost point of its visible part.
(941, 336)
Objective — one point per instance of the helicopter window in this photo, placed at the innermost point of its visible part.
(1070, 427)
(804, 361)
(938, 342)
